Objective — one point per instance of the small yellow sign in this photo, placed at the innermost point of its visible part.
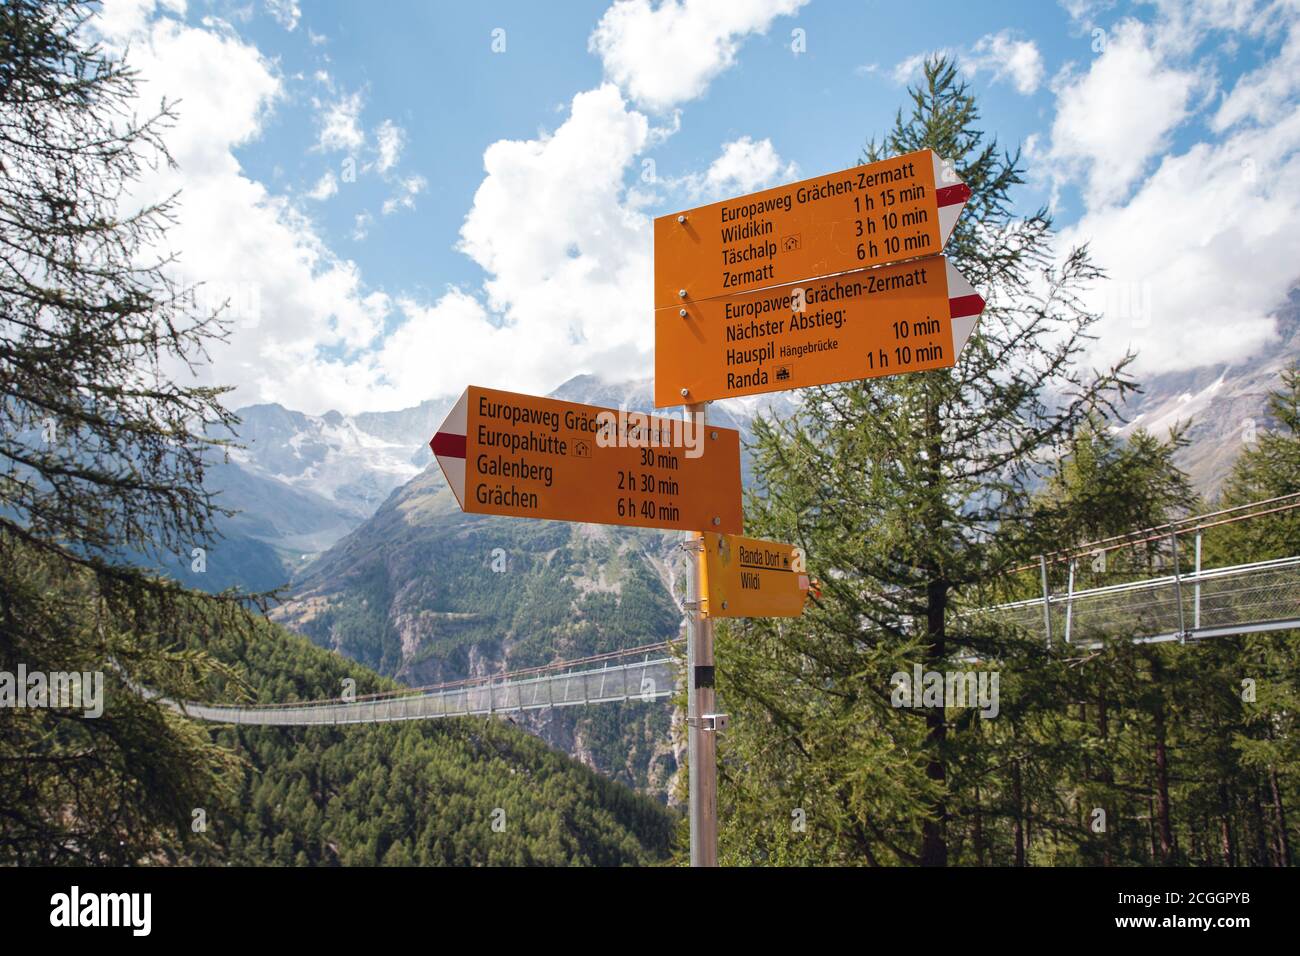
(746, 577)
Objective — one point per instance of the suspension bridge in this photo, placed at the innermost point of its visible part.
(641, 674)
(1181, 605)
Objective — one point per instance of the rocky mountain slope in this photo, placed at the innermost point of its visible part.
(1223, 406)
(424, 593)
(298, 483)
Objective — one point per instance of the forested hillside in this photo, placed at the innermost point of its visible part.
(142, 784)
(411, 793)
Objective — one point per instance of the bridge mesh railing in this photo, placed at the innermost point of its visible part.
(645, 680)
(1250, 597)
(1260, 596)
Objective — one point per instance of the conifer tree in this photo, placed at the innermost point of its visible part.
(103, 446)
(903, 492)
(1256, 770)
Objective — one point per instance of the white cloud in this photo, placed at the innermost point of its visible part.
(121, 18)
(407, 189)
(1085, 12)
(742, 167)
(665, 55)
(325, 187)
(1006, 58)
(566, 249)
(1112, 120)
(340, 123)
(1205, 250)
(910, 68)
(1184, 23)
(1202, 255)
(286, 12)
(1264, 95)
(389, 140)
(999, 54)
(291, 299)
(558, 225)
(567, 253)
(361, 225)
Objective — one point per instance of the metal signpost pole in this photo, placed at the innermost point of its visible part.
(701, 741)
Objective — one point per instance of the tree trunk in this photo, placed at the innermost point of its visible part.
(1154, 851)
(1261, 841)
(1107, 775)
(934, 832)
(1283, 843)
(1225, 827)
(1019, 827)
(1164, 830)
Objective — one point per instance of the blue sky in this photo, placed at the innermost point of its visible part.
(402, 198)
(816, 108)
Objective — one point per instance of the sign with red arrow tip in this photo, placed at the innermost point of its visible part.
(504, 453)
(900, 208)
(909, 317)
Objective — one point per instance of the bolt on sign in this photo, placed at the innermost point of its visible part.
(746, 577)
(504, 453)
(904, 207)
(909, 317)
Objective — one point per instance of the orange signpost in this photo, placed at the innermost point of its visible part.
(746, 577)
(504, 453)
(899, 208)
(884, 321)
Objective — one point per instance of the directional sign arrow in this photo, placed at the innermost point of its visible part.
(900, 208)
(910, 317)
(449, 447)
(509, 454)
